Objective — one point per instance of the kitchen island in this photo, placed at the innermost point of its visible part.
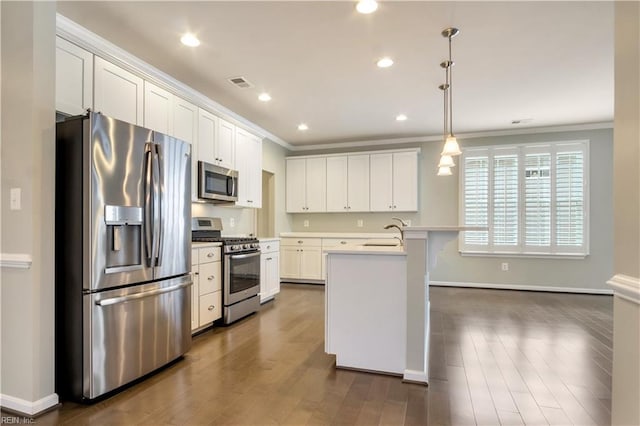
(377, 303)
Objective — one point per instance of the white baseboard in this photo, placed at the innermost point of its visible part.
(626, 287)
(522, 287)
(27, 407)
(415, 376)
(15, 260)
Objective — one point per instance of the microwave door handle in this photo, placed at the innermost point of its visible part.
(158, 187)
(148, 203)
(233, 186)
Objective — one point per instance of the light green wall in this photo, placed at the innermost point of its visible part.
(27, 161)
(438, 203)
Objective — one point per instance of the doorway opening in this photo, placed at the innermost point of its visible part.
(266, 225)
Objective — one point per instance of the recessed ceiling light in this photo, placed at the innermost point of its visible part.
(401, 117)
(367, 6)
(264, 97)
(385, 62)
(190, 40)
(302, 127)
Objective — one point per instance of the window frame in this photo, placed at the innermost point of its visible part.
(521, 249)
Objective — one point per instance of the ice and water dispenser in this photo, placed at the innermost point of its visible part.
(124, 238)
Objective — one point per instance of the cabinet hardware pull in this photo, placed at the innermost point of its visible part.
(299, 241)
(211, 277)
(343, 242)
(211, 307)
(196, 273)
(209, 254)
(268, 247)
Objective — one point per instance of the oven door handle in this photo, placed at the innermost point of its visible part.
(244, 256)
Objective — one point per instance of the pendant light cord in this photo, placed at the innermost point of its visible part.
(450, 89)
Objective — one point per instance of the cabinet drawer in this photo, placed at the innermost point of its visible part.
(194, 257)
(209, 254)
(210, 277)
(302, 242)
(210, 307)
(337, 242)
(271, 246)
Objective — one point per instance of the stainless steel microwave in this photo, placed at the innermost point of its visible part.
(217, 184)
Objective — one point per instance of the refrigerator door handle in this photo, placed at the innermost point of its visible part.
(149, 199)
(137, 296)
(159, 190)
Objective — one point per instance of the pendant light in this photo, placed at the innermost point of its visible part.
(444, 171)
(451, 146)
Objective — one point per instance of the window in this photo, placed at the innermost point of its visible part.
(532, 198)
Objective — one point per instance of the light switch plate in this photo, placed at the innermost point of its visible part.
(305, 224)
(232, 222)
(360, 223)
(15, 199)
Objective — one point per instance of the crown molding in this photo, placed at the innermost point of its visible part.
(437, 138)
(79, 35)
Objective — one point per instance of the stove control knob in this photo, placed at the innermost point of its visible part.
(235, 247)
(255, 245)
(246, 246)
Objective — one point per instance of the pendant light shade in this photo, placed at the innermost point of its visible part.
(451, 146)
(446, 161)
(444, 171)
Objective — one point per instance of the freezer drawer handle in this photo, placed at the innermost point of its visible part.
(123, 299)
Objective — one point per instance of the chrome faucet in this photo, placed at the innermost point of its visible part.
(402, 221)
(393, 225)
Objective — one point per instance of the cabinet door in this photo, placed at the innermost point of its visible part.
(117, 92)
(264, 285)
(381, 175)
(357, 183)
(273, 273)
(74, 78)
(243, 165)
(316, 185)
(337, 177)
(225, 145)
(405, 181)
(290, 262)
(295, 185)
(311, 263)
(185, 127)
(207, 136)
(158, 109)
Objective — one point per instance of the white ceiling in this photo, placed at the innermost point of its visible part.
(551, 62)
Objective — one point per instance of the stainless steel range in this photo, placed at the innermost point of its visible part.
(240, 268)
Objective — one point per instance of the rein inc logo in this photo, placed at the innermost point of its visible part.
(16, 420)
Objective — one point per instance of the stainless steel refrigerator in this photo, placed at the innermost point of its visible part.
(123, 254)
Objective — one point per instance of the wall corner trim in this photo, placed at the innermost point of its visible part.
(29, 408)
(626, 287)
(415, 376)
(15, 260)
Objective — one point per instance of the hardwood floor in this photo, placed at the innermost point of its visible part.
(497, 357)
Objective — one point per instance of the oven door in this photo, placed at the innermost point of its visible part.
(216, 183)
(241, 276)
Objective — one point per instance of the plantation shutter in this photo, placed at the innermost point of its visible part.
(537, 199)
(570, 198)
(505, 198)
(476, 198)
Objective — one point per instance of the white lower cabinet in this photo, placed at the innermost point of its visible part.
(301, 258)
(206, 293)
(269, 270)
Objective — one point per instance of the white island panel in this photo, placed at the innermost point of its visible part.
(366, 310)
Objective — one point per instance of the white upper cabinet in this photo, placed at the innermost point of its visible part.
(158, 109)
(306, 185)
(74, 78)
(394, 181)
(249, 166)
(224, 146)
(348, 179)
(117, 92)
(185, 127)
(207, 135)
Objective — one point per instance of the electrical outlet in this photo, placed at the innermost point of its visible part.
(232, 223)
(360, 223)
(15, 196)
(505, 266)
(305, 224)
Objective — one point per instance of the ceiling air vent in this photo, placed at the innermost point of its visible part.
(240, 82)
